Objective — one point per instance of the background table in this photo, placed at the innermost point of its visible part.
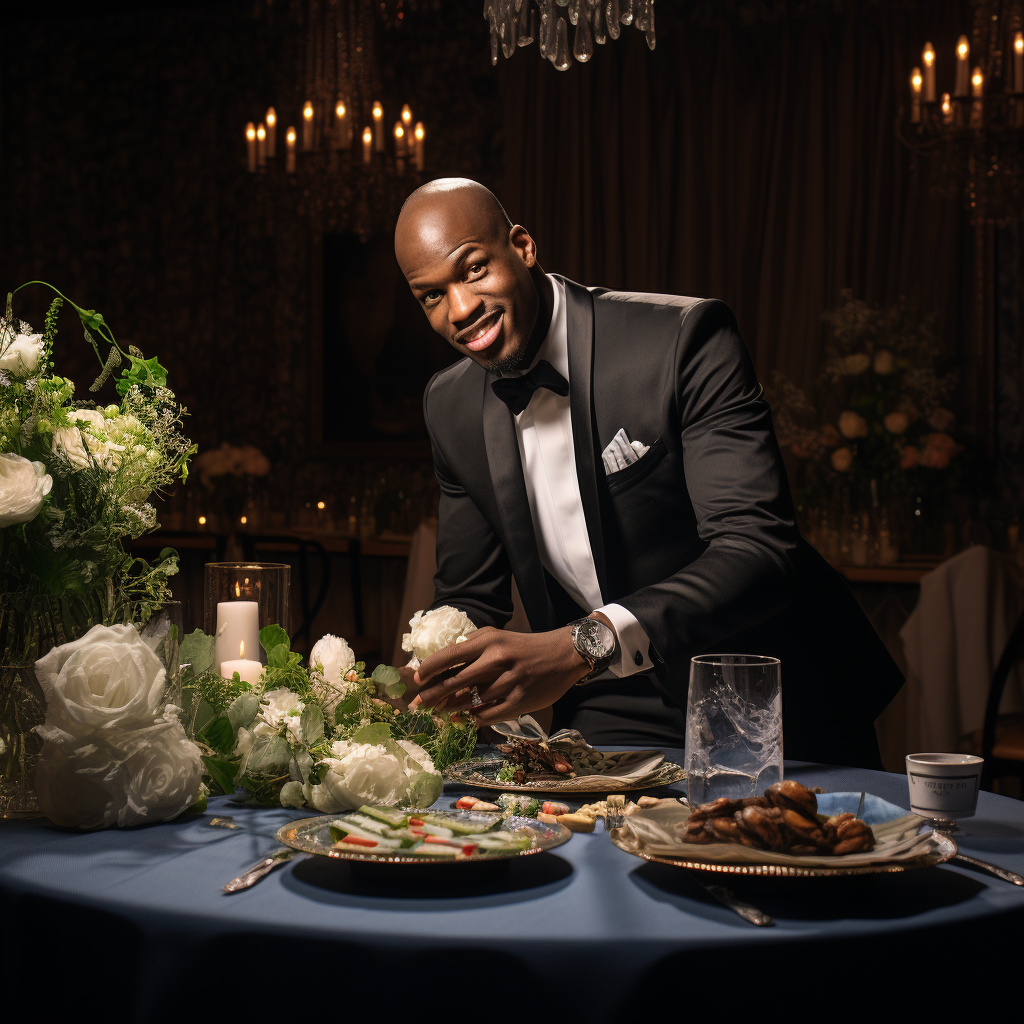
(134, 923)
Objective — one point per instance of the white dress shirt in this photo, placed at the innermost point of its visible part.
(544, 430)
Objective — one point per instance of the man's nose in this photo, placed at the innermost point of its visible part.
(462, 304)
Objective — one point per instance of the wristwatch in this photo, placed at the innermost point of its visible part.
(596, 643)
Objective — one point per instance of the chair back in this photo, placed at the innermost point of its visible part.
(1012, 653)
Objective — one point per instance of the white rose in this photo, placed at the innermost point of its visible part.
(71, 443)
(333, 657)
(71, 784)
(163, 772)
(281, 704)
(108, 678)
(434, 630)
(22, 356)
(23, 487)
(94, 428)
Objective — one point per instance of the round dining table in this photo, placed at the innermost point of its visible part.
(134, 924)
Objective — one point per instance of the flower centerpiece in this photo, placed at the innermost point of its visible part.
(326, 735)
(886, 448)
(75, 481)
(230, 475)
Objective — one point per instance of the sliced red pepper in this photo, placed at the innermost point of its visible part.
(469, 848)
(416, 821)
(417, 832)
(359, 841)
(441, 840)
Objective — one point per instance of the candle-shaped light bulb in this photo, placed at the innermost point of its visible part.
(261, 145)
(928, 58)
(250, 146)
(289, 139)
(1018, 62)
(418, 134)
(947, 108)
(339, 110)
(406, 115)
(399, 140)
(915, 95)
(963, 50)
(307, 126)
(271, 132)
(378, 126)
(977, 104)
(367, 144)
(977, 82)
(916, 80)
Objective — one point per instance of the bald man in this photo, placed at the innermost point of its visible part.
(613, 453)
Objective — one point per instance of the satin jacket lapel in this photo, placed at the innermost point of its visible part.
(580, 331)
(506, 469)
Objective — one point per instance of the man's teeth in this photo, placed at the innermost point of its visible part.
(483, 329)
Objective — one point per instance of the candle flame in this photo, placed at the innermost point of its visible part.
(977, 78)
(1018, 42)
(241, 649)
(244, 520)
(291, 136)
(307, 111)
(915, 80)
(962, 48)
(945, 103)
(378, 110)
(367, 135)
(271, 117)
(250, 131)
(261, 133)
(406, 114)
(238, 589)
(321, 504)
(202, 520)
(419, 133)
(929, 55)
(339, 110)
(399, 130)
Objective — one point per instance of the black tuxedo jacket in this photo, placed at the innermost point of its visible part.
(697, 539)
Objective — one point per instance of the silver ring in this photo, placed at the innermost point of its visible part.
(474, 696)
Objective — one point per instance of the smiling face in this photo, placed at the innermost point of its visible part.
(471, 272)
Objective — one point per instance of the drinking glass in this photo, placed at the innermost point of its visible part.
(733, 726)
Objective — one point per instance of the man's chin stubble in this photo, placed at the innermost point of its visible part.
(505, 364)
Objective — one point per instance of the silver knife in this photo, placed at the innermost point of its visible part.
(262, 869)
(727, 898)
(992, 869)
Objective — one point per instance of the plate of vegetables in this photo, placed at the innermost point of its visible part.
(416, 835)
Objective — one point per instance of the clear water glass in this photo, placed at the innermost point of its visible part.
(733, 726)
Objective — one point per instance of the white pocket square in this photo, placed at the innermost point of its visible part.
(621, 452)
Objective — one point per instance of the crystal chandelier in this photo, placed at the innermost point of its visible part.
(973, 135)
(515, 23)
(332, 149)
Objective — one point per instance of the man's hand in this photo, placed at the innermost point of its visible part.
(514, 673)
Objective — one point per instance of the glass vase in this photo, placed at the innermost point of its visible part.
(22, 707)
(265, 586)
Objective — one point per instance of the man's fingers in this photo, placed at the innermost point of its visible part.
(432, 696)
(491, 714)
(454, 654)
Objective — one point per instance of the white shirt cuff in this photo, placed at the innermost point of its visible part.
(633, 642)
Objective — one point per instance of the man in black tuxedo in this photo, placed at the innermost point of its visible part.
(613, 453)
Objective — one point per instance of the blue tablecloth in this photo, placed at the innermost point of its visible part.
(136, 918)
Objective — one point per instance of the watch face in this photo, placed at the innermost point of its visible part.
(595, 639)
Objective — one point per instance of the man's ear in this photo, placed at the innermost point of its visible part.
(522, 241)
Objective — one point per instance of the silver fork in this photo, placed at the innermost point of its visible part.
(260, 870)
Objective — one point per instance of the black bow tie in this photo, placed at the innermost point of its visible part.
(516, 392)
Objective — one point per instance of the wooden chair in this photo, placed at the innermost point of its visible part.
(307, 550)
(1002, 736)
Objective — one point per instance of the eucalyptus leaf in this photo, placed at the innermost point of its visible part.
(270, 753)
(274, 636)
(302, 763)
(243, 711)
(385, 674)
(375, 732)
(312, 724)
(197, 649)
(348, 706)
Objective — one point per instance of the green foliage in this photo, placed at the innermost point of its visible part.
(197, 650)
(274, 636)
(222, 772)
(389, 680)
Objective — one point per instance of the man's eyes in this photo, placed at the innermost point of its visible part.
(476, 269)
(473, 272)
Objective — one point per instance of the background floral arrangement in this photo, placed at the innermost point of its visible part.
(231, 475)
(328, 735)
(889, 434)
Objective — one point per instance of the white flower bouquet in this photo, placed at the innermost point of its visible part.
(327, 735)
(75, 481)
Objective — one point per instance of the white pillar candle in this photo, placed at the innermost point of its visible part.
(1018, 62)
(250, 146)
(378, 127)
(407, 117)
(249, 671)
(915, 95)
(928, 58)
(963, 79)
(340, 125)
(238, 630)
(307, 126)
(289, 139)
(367, 144)
(271, 132)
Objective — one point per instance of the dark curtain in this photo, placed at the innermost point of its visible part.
(750, 158)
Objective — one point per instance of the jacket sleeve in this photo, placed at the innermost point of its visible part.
(473, 570)
(740, 496)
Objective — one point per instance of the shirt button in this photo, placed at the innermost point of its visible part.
(638, 658)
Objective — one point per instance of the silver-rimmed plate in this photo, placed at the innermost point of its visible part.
(481, 772)
(313, 835)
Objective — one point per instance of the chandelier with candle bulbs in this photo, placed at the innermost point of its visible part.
(340, 151)
(518, 22)
(973, 134)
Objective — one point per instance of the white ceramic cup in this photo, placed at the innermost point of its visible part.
(944, 785)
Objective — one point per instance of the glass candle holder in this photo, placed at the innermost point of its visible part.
(240, 598)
